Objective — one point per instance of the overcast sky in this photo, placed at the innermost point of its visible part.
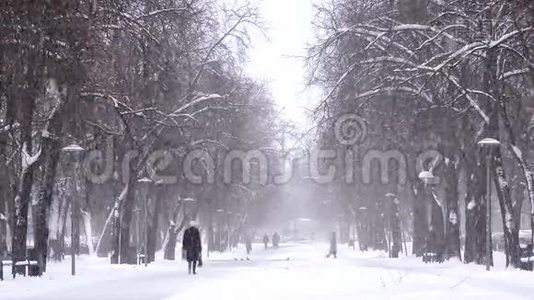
(279, 59)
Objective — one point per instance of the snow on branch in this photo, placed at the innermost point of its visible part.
(508, 36)
(388, 90)
(29, 160)
(209, 141)
(203, 98)
(162, 11)
(7, 128)
(115, 102)
(514, 73)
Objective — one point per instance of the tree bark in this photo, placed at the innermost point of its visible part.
(436, 232)
(420, 224)
(395, 227)
(378, 228)
(452, 230)
(63, 215)
(475, 219)
(3, 223)
(22, 198)
(51, 151)
(88, 231)
(115, 234)
(4, 195)
(125, 222)
(172, 232)
(511, 230)
(50, 145)
(152, 230)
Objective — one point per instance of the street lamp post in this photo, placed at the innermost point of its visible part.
(73, 148)
(489, 144)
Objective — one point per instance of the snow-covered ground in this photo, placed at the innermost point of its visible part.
(294, 271)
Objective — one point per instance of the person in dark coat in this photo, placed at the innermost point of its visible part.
(192, 246)
(266, 240)
(333, 246)
(276, 240)
(248, 243)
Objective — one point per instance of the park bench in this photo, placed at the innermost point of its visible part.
(431, 257)
(141, 258)
(2, 264)
(31, 267)
(527, 257)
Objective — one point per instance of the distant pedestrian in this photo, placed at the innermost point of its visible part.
(333, 246)
(276, 240)
(266, 240)
(192, 246)
(248, 243)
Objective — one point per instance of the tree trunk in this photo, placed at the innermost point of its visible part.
(3, 223)
(115, 235)
(113, 227)
(102, 246)
(4, 185)
(475, 216)
(127, 206)
(50, 145)
(420, 224)
(436, 233)
(88, 231)
(452, 230)
(44, 201)
(86, 217)
(511, 230)
(56, 247)
(363, 228)
(378, 229)
(170, 247)
(22, 198)
(64, 214)
(395, 227)
(4, 196)
(174, 229)
(152, 230)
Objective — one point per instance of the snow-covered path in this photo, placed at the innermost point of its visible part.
(294, 271)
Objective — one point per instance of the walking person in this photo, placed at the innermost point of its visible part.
(276, 240)
(248, 243)
(192, 247)
(266, 240)
(333, 246)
